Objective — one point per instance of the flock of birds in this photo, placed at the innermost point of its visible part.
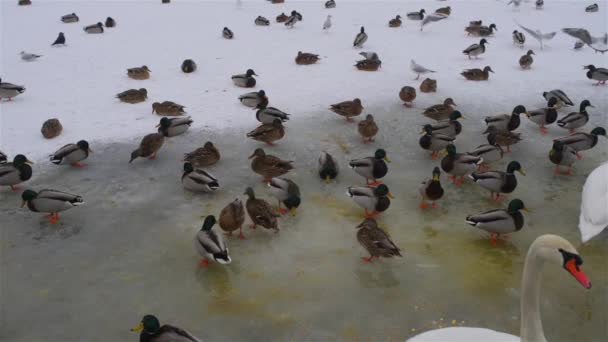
(437, 137)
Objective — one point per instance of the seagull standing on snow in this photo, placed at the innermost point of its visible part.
(431, 18)
(360, 38)
(60, 40)
(29, 57)
(419, 69)
(539, 35)
(327, 23)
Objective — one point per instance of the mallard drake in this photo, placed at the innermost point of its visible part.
(429, 85)
(50, 201)
(431, 189)
(3, 158)
(245, 80)
(407, 94)
(525, 61)
(503, 138)
(267, 115)
(151, 331)
(268, 133)
(110, 22)
(433, 141)
(330, 4)
(368, 64)
(477, 74)
(490, 152)
(444, 10)
(70, 18)
(459, 164)
(254, 99)
(292, 20)
(475, 22)
(575, 120)
(328, 168)
(29, 57)
(198, 180)
(203, 156)
(210, 244)
(367, 128)
(261, 21)
(592, 8)
(562, 98)
(269, 166)
(140, 73)
(376, 241)
(480, 30)
(374, 200)
(440, 111)
(260, 212)
(499, 221)
(148, 147)
(519, 38)
(281, 18)
(419, 69)
(544, 116)
(188, 66)
(95, 28)
(133, 95)
(476, 49)
(24, 2)
(450, 127)
(60, 40)
(170, 127)
(16, 172)
(168, 108)
(227, 33)
(562, 155)
(286, 191)
(360, 38)
(582, 141)
(372, 168)
(232, 218)
(416, 15)
(304, 58)
(497, 181)
(505, 122)
(51, 128)
(348, 109)
(598, 74)
(9, 90)
(395, 22)
(72, 154)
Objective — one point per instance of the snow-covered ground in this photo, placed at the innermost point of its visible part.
(128, 251)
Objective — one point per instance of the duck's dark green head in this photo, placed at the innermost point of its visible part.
(552, 102)
(293, 203)
(382, 190)
(519, 109)
(188, 167)
(451, 149)
(515, 166)
(209, 223)
(455, 115)
(20, 160)
(516, 205)
(249, 192)
(261, 93)
(428, 129)
(250, 73)
(27, 196)
(381, 154)
(585, 104)
(165, 122)
(84, 145)
(598, 131)
(149, 324)
(436, 173)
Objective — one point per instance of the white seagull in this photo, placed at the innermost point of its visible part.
(29, 57)
(538, 35)
(599, 44)
(327, 23)
(431, 18)
(419, 69)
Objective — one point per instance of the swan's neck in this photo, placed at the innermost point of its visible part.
(531, 328)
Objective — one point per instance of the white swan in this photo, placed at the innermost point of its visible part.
(594, 203)
(546, 248)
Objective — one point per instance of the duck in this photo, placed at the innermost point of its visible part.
(503, 138)
(476, 49)
(210, 244)
(372, 168)
(498, 182)
(348, 109)
(519, 38)
(267, 115)
(17, 172)
(592, 8)
(481, 31)
(374, 200)
(499, 221)
(287, 192)
(72, 154)
(140, 73)
(429, 85)
(304, 58)
(444, 10)
(547, 250)
(148, 147)
(407, 94)
(440, 111)
(525, 61)
(416, 15)
(598, 74)
(260, 212)
(477, 74)
(232, 218)
(70, 18)
(245, 80)
(269, 166)
(203, 156)
(96, 28)
(562, 155)
(475, 22)
(330, 4)
(151, 330)
(450, 127)
(575, 120)
(583, 141)
(395, 22)
(168, 108)
(562, 98)
(376, 241)
(431, 189)
(360, 38)
(261, 21)
(133, 95)
(227, 33)
(188, 66)
(544, 116)
(198, 180)
(505, 122)
(490, 152)
(29, 57)
(594, 203)
(459, 164)
(3, 158)
(254, 99)
(51, 128)
(292, 20)
(24, 2)
(281, 18)
(327, 167)
(171, 127)
(110, 22)
(268, 133)
(50, 201)
(368, 64)
(433, 141)
(368, 128)
(9, 90)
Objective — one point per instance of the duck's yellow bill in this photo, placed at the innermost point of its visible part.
(138, 327)
(522, 172)
(526, 210)
(293, 211)
(327, 180)
(390, 195)
(387, 159)
(29, 162)
(23, 203)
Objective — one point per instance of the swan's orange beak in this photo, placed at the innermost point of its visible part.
(578, 273)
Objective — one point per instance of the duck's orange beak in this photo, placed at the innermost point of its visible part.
(577, 273)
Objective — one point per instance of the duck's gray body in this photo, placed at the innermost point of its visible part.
(269, 114)
(497, 221)
(364, 196)
(211, 245)
(9, 90)
(178, 126)
(200, 180)
(489, 153)
(579, 141)
(54, 201)
(97, 28)
(252, 99)
(69, 154)
(70, 18)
